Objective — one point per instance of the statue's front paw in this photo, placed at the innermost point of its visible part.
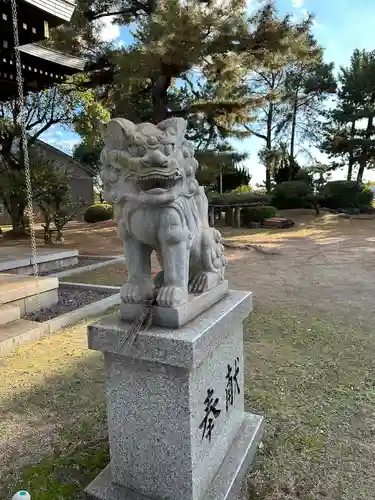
(136, 294)
(172, 296)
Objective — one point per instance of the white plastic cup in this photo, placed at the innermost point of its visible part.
(21, 495)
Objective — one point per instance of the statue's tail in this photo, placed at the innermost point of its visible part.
(213, 258)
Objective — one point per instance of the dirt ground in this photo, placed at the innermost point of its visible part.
(326, 264)
(323, 262)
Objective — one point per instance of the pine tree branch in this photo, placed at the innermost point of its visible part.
(257, 134)
(94, 16)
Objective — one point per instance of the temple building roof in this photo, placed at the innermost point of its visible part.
(41, 67)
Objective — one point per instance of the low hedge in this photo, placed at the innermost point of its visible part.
(291, 194)
(346, 194)
(234, 199)
(257, 214)
(98, 212)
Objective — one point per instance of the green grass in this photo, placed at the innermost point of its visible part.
(311, 376)
(313, 379)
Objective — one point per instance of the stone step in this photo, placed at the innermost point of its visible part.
(9, 313)
(20, 332)
(15, 287)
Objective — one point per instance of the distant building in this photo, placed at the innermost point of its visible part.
(81, 179)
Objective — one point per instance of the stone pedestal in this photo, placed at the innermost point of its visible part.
(176, 420)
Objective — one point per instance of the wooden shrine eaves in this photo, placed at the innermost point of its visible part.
(41, 68)
(74, 64)
(61, 10)
(35, 19)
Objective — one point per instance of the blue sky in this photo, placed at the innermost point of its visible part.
(340, 27)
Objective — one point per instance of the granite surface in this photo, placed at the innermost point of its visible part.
(175, 400)
(176, 317)
(226, 484)
(185, 347)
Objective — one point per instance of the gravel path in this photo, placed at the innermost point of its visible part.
(82, 262)
(70, 298)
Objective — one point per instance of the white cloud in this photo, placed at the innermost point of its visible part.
(65, 145)
(297, 3)
(108, 31)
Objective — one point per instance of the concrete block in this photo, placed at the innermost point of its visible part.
(88, 286)
(14, 287)
(44, 301)
(48, 255)
(8, 314)
(72, 317)
(90, 267)
(13, 264)
(20, 332)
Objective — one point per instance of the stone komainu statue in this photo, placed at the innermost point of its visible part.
(149, 175)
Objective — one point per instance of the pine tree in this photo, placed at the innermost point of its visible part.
(293, 86)
(307, 87)
(350, 135)
(188, 59)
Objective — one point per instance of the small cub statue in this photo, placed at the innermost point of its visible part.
(148, 173)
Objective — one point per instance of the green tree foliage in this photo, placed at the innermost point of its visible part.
(319, 173)
(280, 165)
(232, 180)
(54, 197)
(243, 188)
(350, 133)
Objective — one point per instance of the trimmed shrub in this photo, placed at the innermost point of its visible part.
(234, 198)
(257, 214)
(346, 194)
(244, 188)
(365, 197)
(291, 194)
(98, 212)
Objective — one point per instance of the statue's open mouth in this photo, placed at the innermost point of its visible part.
(157, 183)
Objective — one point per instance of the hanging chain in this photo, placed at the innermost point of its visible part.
(24, 146)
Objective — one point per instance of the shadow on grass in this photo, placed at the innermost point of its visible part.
(63, 432)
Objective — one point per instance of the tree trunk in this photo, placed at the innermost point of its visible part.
(159, 96)
(17, 209)
(362, 163)
(351, 155)
(269, 147)
(361, 170)
(59, 235)
(293, 137)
